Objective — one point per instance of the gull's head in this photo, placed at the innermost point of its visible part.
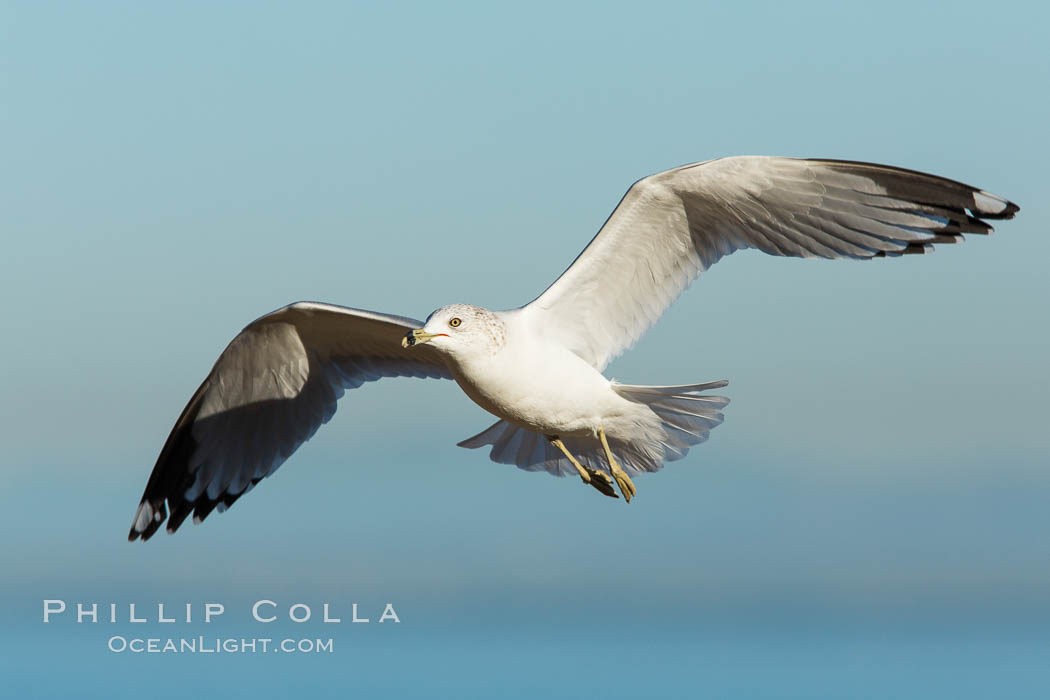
(459, 329)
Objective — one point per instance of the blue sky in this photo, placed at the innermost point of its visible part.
(173, 171)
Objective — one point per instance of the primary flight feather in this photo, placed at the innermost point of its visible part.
(538, 368)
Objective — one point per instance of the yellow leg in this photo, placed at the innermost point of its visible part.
(622, 480)
(599, 480)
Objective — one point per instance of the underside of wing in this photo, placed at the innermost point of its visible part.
(275, 384)
(671, 226)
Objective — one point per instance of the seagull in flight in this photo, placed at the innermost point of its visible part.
(539, 368)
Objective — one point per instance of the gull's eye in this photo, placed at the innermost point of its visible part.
(455, 322)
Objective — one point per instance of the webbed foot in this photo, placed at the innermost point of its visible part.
(598, 479)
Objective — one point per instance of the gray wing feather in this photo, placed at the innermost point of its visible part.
(273, 386)
(672, 226)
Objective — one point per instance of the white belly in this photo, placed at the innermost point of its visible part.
(546, 389)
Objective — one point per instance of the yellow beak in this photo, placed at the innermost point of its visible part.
(418, 337)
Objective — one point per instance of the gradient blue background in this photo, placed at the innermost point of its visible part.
(871, 520)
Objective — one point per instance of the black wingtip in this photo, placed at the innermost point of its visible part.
(151, 516)
(148, 518)
(170, 477)
(1009, 212)
(991, 206)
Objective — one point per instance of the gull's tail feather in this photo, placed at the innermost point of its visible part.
(685, 417)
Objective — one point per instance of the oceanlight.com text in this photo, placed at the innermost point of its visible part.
(218, 645)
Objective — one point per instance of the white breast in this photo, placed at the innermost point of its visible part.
(537, 383)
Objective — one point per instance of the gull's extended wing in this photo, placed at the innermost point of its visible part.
(671, 226)
(269, 391)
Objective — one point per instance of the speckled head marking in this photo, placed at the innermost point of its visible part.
(469, 319)
(461, 329)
